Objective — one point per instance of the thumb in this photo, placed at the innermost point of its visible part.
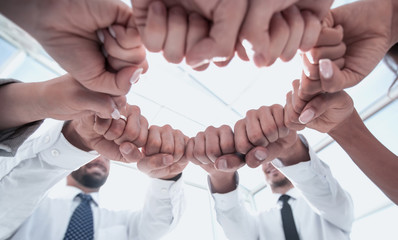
(333, 79)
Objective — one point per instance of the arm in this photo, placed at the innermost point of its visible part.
(39, 164)
(371, 156)
(314, 180)
(214, 151)
(163, 161)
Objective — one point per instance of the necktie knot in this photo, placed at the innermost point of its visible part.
(85, 197)
(284, 198)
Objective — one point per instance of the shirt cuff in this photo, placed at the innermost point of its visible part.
(303, 171)
(53, 148)
(165, 189)
(226, 201)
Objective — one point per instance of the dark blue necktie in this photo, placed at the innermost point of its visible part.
(81, 225)
(289, 227)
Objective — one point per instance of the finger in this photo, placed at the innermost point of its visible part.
(254, 34)
(220, 45)
(133, 126)
(134, 55)
(241, 51)
(312, 70)
(279, 35)
(198, 29)
(277, 113)
(130, 152)
(155, 162)
(308, 88)
(117, 64)
(179, 145)
(199, 151)
(188, 155)
(254, 129)
(126, 37)
(311, 31)
(167, 140)
(155, 31)
(268, 126)
(290, 116)
(333, 79)
(330, 52)
(298, 103)
(256, 156)
(101, 125)
(293, 17)
(212, 143)
(174, 48)
(229, 162)
(154, 141)
(115, 130)
(227, 144)
(242, 143)
(330, 36)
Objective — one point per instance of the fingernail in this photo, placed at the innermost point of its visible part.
(126, 148)
(219, 59)
(326, 68)
(167, 160)
(115, 114)
(112, 32)
(104, 52)
(222, 164)
(101, 36)
(259, 60)
(201, 63)
(306, 116)
(136, 76)
(260, 155)
(248, 48)
(310, 57)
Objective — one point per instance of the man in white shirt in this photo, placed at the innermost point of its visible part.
(53, 217)
(319, 208)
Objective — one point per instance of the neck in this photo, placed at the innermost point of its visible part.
(70, 181)
(282, 189)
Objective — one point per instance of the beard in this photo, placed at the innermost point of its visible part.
(89, 180)
(281, 183)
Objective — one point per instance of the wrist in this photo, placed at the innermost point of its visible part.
(223, 182)
(173, 178)
(73, 137)
(346, 126)
(295, 154)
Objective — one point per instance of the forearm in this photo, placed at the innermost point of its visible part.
(372, 157)
(24, 13)
(20, 104)
(394, 23)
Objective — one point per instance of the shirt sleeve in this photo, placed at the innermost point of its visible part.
(164, 205)
(38, 165)
(12, 138)
(234, 218)
(322, 191)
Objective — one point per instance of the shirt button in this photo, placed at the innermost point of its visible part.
(47, 139)
(163, 190)
(55, 153)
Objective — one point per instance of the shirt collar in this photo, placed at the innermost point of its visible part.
(293, 193)
(70, 193)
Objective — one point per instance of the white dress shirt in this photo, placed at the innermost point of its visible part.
(162, 210)
(39, 164)
(322, 210)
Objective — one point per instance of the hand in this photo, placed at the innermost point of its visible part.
(323, 113)
(218, 45)
(262, 136)
(105, 135)
(67, 31)
(164, 151)
(329, 49)
(214, 151)
(122, 47)
(274, 28)
(367, 42)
